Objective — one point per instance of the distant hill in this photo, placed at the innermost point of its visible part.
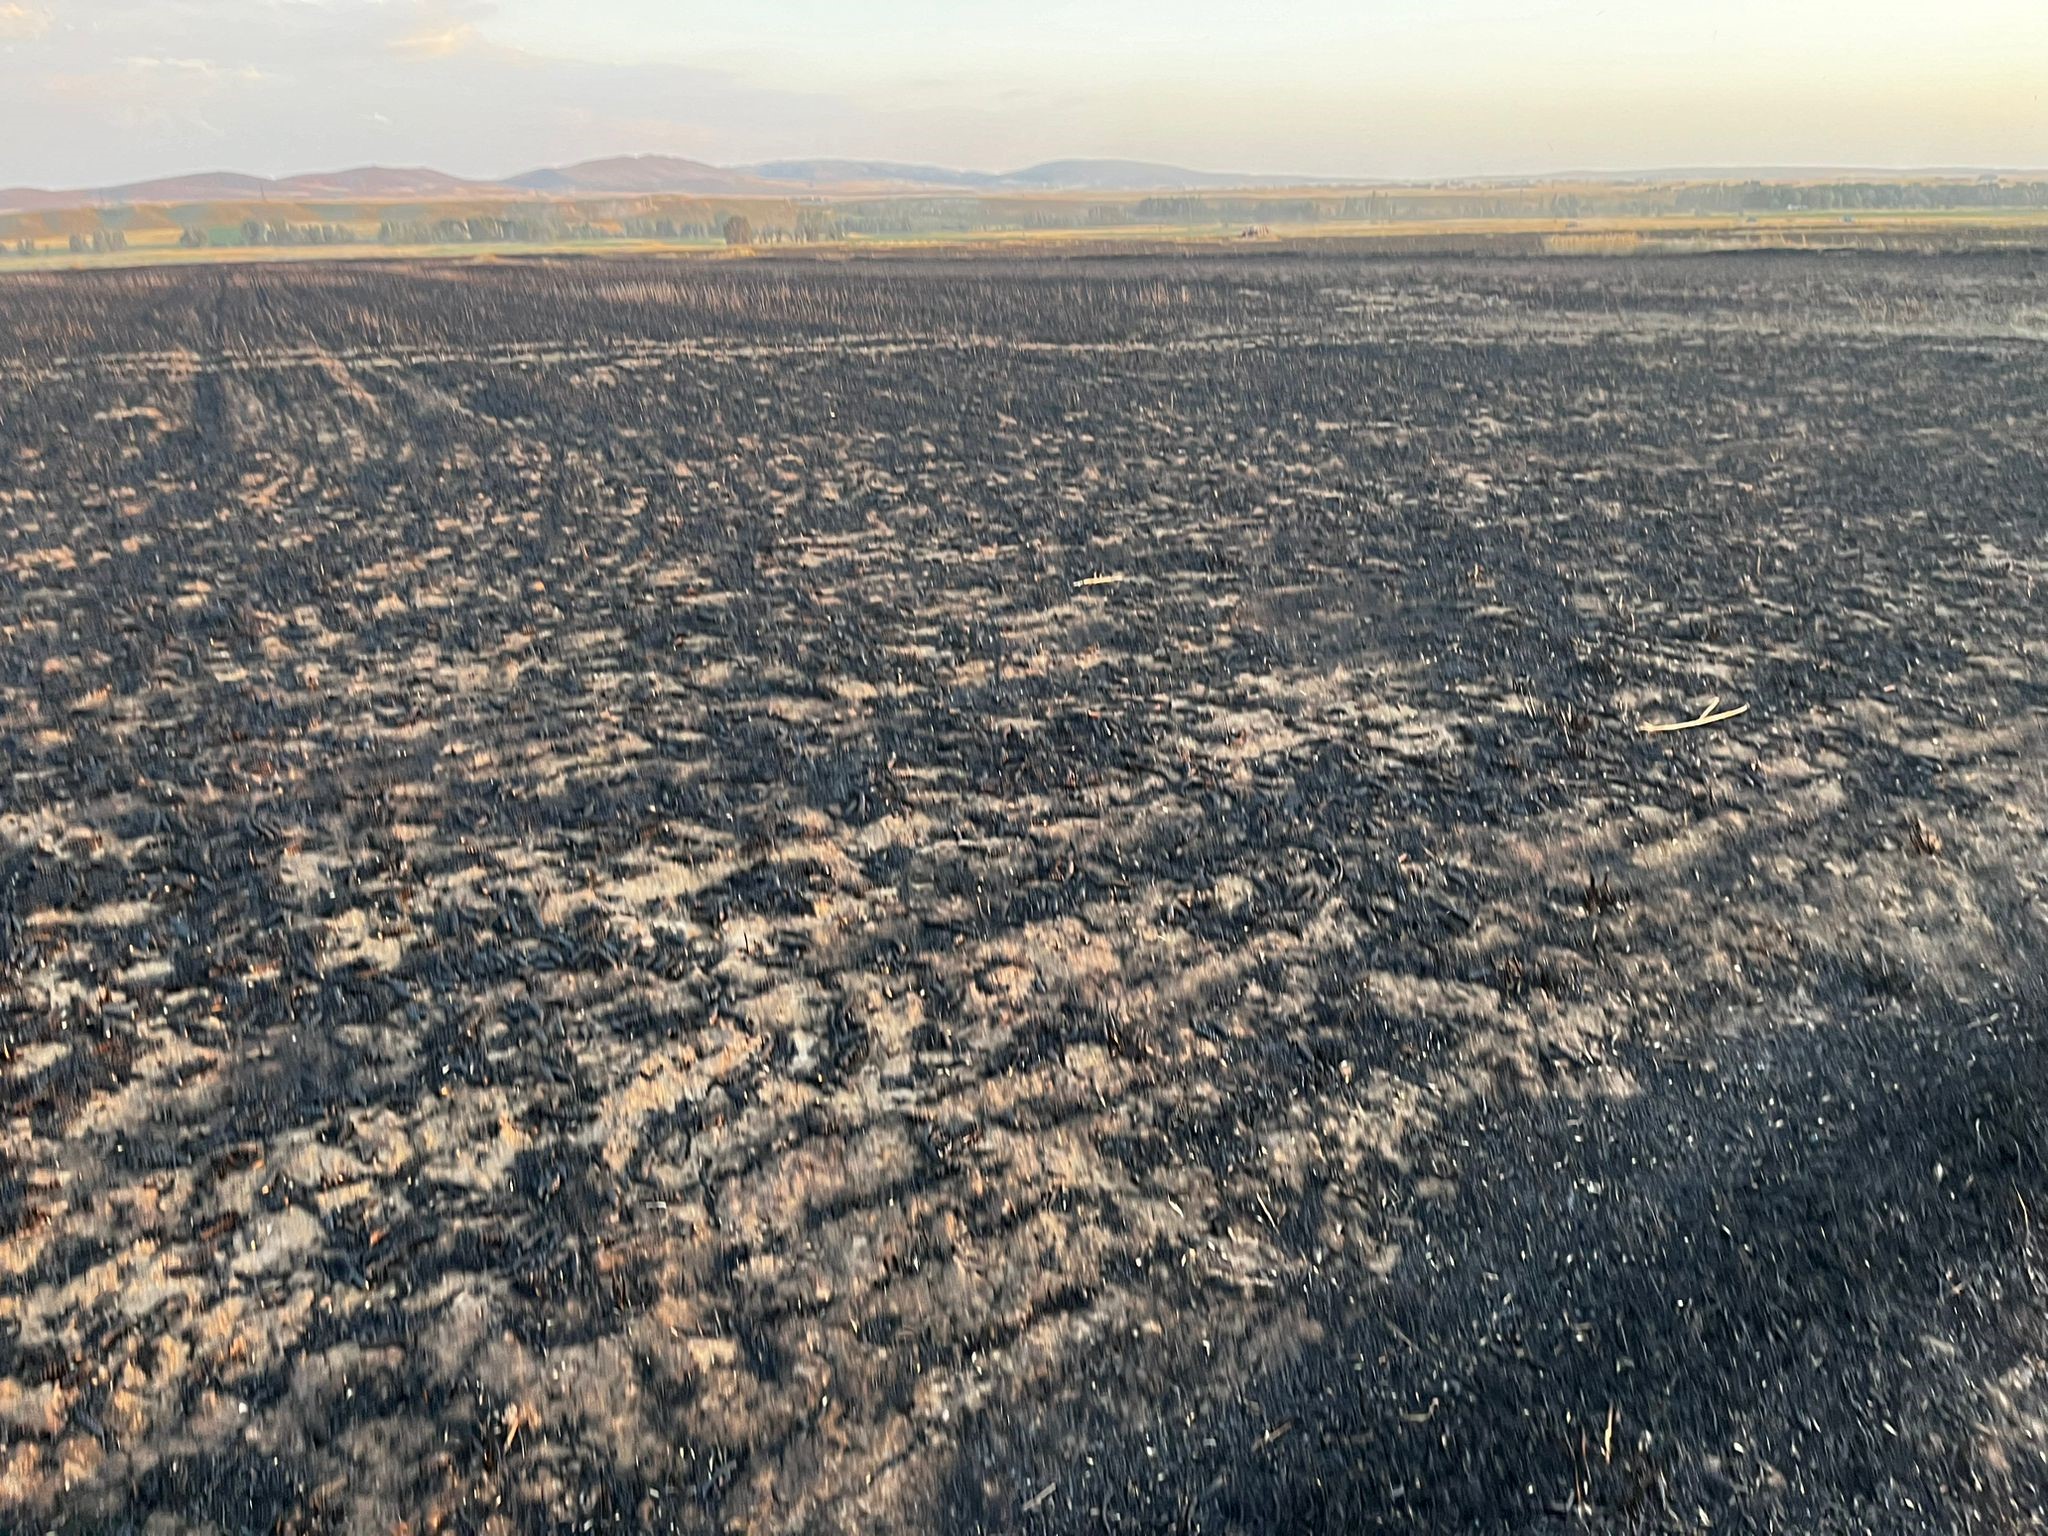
(629, 175)
(207, 186)
(641, 173)
(656, 175)
(1793, 173)
(823, 174)
(1130, 176)
(39, 199)
(369, 181)
(1052, 176)
(374, 181)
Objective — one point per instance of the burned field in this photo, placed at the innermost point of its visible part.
(1025, 896)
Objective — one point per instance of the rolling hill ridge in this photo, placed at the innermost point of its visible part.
(640, 174)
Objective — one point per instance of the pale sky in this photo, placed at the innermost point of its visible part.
(94, 92)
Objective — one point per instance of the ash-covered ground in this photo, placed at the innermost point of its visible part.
(1025, 895)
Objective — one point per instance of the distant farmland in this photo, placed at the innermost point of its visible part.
(1588, 216)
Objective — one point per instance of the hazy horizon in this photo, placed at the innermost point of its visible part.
(101, 92)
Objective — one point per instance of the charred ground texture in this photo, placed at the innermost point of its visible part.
(1025, 896)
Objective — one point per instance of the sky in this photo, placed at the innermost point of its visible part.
(96, 92)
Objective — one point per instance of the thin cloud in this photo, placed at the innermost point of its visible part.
(489, 87)
(19, 23)
(202, 69)
(442, 43)
(426, 80)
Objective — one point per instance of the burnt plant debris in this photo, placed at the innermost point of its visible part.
(1017, 894)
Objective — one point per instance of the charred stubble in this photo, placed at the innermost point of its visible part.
(1024, 895)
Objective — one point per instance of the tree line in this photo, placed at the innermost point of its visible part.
(99, 242)
(763, 223)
